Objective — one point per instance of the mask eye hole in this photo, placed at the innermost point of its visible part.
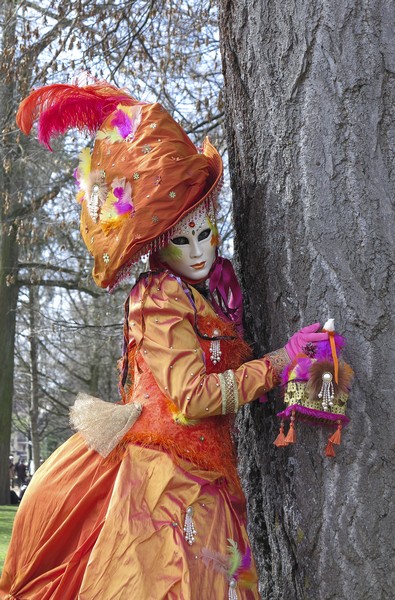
(204, 234)
(180, 241)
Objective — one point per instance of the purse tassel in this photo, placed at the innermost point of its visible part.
(291, 435)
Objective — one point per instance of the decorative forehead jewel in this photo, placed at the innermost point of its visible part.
(203, 216)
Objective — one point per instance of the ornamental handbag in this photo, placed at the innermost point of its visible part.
(316, 388)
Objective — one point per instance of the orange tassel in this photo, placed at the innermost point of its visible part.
(336, 437)
(291, 435)
(280, 439)
(329, 450)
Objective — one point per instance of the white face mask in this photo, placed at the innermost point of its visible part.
(191, 252)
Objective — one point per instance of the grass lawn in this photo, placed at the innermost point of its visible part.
(7, 514)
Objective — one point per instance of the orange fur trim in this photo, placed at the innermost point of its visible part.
(235, 351)
(207, 443)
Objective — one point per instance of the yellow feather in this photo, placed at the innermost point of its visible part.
(101, 135)
(183, 420)
(111, 135)
(111, 223)
(109, 218)
(80, 196)
(114, 136)
(84, 166)
(125, 109)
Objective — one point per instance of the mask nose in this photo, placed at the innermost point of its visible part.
(195, 249)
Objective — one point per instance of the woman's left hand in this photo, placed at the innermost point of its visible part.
(307, 335)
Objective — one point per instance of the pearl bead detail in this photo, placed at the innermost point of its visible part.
(215, 349)
(327, 392)
(189, 526)
(232, 589)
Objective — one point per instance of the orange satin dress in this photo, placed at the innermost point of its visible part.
(113, 529)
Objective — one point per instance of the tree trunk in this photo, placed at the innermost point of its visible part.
(8, 246)
(310, 111)
(34, 383)
(8, 303)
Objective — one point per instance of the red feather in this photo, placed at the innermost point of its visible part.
(60, 107)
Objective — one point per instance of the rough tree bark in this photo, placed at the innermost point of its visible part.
(310, 109)
(8, 245)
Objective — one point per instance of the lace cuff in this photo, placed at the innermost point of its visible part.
(278, 359)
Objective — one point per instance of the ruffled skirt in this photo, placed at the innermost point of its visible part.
(93, 530)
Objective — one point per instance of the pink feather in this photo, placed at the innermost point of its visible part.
(60, 107)
(303, 368)
(123, 206)
(123, 192)
(215, 560)
(123, 123)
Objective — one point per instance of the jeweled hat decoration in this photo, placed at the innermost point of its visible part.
(316, 388)
(143, 176)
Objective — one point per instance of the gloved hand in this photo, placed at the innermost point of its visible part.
(307, 335)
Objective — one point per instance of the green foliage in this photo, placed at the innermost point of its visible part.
(7, 515)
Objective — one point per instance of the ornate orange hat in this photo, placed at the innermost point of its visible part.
(142, 177)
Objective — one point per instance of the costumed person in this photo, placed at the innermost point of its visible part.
(144, 501)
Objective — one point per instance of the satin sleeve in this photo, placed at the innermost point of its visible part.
(161, 321)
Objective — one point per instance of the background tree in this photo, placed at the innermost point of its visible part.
(76, 341)
(310, 113)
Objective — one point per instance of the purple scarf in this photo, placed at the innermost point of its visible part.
(225, 293)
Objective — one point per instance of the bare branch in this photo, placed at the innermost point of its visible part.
(49, 267)
(68, 285)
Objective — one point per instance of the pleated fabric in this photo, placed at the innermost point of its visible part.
(115, 532)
